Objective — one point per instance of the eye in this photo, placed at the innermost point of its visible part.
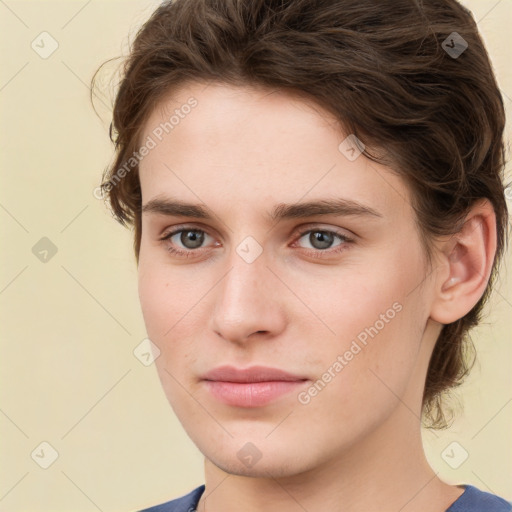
(188, 242)
(322, 240)
(191, 239)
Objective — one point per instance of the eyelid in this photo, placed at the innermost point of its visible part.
(167, 233)
(344, 233)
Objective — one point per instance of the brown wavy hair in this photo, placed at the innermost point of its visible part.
(380, 68)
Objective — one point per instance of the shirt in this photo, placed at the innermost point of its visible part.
(471, 500)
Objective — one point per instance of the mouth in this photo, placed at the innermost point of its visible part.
(251, 387)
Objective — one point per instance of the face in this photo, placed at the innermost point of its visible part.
(299, 257)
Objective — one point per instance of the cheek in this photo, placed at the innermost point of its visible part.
(165, 303)
(378, 325)
(366, 304)
(167, 297)
(365, 374)
(173, 315)
(154, 296)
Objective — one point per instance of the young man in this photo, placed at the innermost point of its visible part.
(316, 191)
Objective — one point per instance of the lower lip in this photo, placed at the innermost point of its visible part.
(251, 394)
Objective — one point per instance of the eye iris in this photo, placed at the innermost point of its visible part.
(195, 237)
(324, 239)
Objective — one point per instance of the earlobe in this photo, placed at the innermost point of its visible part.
(468, 256)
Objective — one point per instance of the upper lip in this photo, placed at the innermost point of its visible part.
(252, 374)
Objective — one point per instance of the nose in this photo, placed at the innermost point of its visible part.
(248, 302)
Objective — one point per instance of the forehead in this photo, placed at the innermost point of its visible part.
(251, 148)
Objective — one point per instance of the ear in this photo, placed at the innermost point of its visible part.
(465, 265)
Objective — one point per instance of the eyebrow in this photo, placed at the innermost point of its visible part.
(338, 207)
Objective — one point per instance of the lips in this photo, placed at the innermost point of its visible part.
(252, 374)
(251, 387)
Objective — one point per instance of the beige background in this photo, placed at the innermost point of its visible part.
(69, 325)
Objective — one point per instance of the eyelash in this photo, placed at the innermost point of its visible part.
(315, 253)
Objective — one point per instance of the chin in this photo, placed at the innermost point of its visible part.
(276, 467)
(256, 456)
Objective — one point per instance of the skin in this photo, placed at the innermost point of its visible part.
(240, 152)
